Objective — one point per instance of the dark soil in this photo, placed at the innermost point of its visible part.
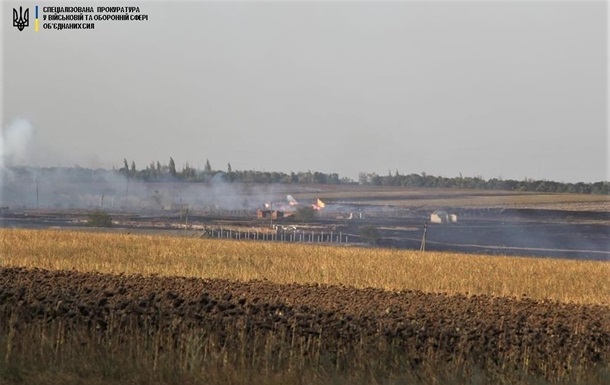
(545, 337)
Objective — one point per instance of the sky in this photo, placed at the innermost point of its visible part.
(500, 89)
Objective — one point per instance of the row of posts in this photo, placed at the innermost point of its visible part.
(282, 236)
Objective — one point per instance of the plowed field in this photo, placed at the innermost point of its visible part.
(334, 324)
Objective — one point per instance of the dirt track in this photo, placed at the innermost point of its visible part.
(543, 336)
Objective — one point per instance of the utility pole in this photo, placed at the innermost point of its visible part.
(271, 214)
(37, 201)
(186, 216)
(422, 248)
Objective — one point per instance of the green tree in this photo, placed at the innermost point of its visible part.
(125, 168)
(305, 213)
(370, 235)
(172, 167)
(188, 172)
(99, 218)
(208, 168)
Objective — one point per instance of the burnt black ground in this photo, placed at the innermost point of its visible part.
(521, 232)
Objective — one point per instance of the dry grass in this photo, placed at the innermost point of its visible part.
(584, 282)
(548, 201)
(434, 197)
(55, 351)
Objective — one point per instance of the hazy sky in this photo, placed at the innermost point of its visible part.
(503, 89)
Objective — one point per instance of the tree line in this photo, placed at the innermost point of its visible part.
(527, 184)
(156, 171)
(168, 172)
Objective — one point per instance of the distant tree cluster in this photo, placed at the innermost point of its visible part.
(424, 180)
(370, 235)
(305, 213)
(308, 177)
(99, 218)
(155, 171)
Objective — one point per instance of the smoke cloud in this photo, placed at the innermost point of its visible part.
(14, 142)
(80, 188)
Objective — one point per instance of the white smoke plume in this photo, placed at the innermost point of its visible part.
(14, 142)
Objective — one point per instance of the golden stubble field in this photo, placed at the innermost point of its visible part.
(442, 197)
(569, 281)
(107, 308)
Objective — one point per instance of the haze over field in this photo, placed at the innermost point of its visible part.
(507, 89)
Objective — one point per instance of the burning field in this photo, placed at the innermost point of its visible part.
(488, 222)
(239, 295)
(263, 329)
